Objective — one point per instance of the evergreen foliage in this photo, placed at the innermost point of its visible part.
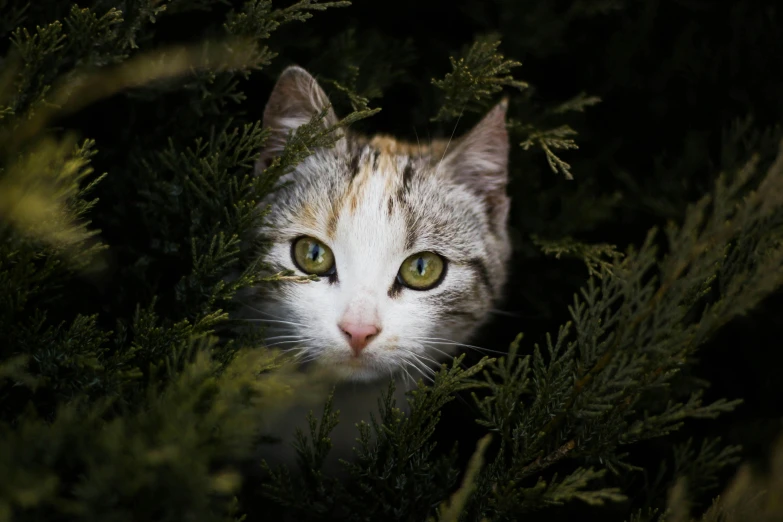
(128, 198)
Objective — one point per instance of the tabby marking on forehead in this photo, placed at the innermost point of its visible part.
(372, 162)
(416, 234)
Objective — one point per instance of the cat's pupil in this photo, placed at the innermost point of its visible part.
(421, 265)
(315, 254)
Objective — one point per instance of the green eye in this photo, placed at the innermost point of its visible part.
(312, 257)
(422, 271)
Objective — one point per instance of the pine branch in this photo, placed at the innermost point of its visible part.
(301, 10)
(358, 102)
(392, 444)
(186, 436)
(450, 510)
(689, 251)
(75, 91)
(550, 140)
(631, 334)
(672, 417)
(476, 76)
(310, 495)
(312, 135)
(701, 467)
(575, 486)
(41, 198)
(14, 14)
(749, 496)
(576, 104)
(594, 256)
(362, 64)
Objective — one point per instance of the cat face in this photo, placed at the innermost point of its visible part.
(409, 242)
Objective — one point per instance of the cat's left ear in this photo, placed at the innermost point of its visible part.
(295, 99)
(479, 160)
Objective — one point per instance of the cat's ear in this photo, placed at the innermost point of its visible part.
(295, 99)
(479, 160)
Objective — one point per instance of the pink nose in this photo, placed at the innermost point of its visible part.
(358, 335)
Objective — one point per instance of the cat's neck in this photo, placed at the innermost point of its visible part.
(355, 402)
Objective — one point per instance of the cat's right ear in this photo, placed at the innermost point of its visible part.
(295, 99)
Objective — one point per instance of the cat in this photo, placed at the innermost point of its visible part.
(410, 243)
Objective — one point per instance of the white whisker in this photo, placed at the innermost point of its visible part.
(449, 142)
(418, 144)
(286, 342)
(423, 359)
(448, 342)
(310, 358)
(430, 346)
(433, 347)
(274, 321)
(413, 381)
(276, 337)
(432, 379)
(262, 312)
(428, 359)
(505, 313)
(426, 377)
(426, 370)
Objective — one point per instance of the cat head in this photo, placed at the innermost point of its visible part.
(410, 242)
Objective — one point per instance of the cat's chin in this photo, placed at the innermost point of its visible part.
(357, 370)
